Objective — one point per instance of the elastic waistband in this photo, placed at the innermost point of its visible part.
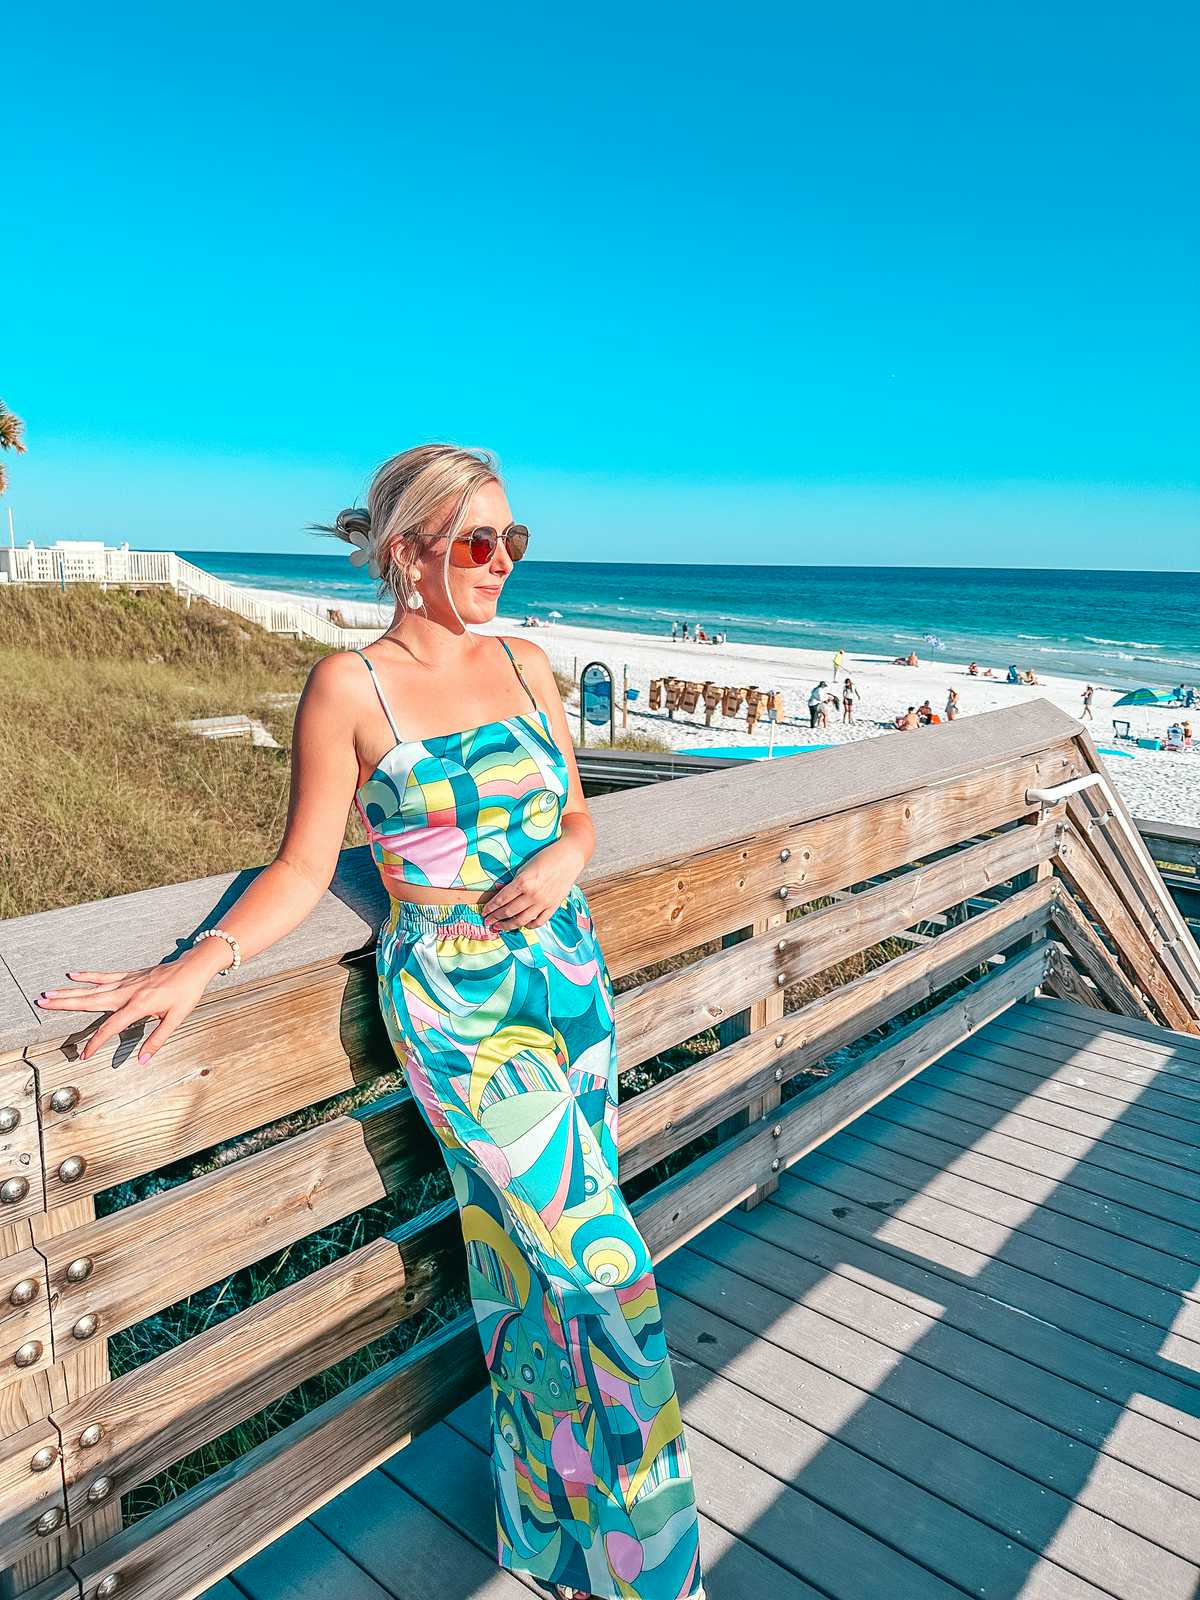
(448, 918)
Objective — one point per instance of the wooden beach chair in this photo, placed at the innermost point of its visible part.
(691, 694)
(731, 701)
(712, 699)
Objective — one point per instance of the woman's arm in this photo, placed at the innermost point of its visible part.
(323, 780)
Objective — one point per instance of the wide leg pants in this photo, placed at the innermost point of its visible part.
(508, 1046)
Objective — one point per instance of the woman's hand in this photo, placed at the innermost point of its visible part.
(168, 992)
(536, 891)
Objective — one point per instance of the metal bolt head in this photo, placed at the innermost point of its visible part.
(12, 1190)
(49, 1521)
(27, 1354)
(91, 1435)
(781, 979)
(781, 945)
(64, 1098)
(23, 1292)
(776, 1130)
(109, 1584)
(785, 855)
(79, 1269)
(9, 1118)
(784, 891)
(778, 1041)
(778, 1074)
(86, 1326)
(72, 1169)
(100, 1489)
(775, 1164)
(43, 1459)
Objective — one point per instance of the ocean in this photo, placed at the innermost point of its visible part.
(1121, 629)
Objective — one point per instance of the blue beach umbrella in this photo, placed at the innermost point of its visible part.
(1142, 697)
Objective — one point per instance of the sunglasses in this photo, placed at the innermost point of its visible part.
(481, 542)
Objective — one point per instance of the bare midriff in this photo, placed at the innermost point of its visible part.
(429, 895)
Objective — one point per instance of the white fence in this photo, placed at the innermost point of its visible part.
(80, 561)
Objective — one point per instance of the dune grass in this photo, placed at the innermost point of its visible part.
(104, 793)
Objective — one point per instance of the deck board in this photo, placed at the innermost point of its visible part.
(956, 1353)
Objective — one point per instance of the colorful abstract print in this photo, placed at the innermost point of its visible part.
(508, 1046)
(465, 810)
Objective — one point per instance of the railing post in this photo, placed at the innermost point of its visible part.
(759, 1015)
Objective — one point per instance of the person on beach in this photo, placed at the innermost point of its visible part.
(925, 712)
(493, 985)
(674, 632)
(849, 695)
(839, 655)
(952, 705)
(973, 670)
(909, 722)
(1088, 696)
(816, 699)
(685, 631)
(1013, 675)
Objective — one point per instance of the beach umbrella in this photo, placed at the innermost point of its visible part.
(1141, 697)
(554, 614)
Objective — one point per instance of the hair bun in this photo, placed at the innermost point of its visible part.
(354, 520)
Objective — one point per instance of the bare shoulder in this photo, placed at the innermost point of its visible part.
(531, 656)
(336, 679)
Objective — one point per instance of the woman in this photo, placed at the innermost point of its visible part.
(499, 1004)
(951, 705)
(849, 695)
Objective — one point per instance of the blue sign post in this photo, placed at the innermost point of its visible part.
(597, 703)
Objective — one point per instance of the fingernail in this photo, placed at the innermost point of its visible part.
(144, 1056)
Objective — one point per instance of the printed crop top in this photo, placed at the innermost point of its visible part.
(464, 810)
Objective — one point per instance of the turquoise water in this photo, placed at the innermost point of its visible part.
(1121, 629)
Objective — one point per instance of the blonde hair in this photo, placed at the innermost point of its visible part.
(406, 495)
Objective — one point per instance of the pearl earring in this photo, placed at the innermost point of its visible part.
(415, 601)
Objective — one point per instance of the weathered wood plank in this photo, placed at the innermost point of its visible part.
(1125, 1334)
(1121, 1055)
(1121, 1073)
(969, 1125)
(973, 1487)
(1138, 959)
(895, 1160)
(157, 1251)
(704, 994)
(672, 1212)
(1116, 1148)
(1103, 969)
(829, 1255)
(690, 1102)
(1184, 1047)
(243, 1058)
(179, 1548)
(1111, 1206)
(690, 899)
(1150, 1304)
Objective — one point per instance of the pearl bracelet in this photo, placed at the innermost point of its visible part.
(219, 933)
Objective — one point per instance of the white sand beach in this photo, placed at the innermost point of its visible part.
(1161, 786)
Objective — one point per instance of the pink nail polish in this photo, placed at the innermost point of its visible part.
(143, 1056)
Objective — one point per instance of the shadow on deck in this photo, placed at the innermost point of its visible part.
(956, 1352)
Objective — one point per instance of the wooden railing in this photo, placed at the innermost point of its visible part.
(738, 886)
(50, 564)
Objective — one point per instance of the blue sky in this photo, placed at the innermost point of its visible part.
(863, 283)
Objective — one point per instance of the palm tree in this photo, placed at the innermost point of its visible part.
(11, 429)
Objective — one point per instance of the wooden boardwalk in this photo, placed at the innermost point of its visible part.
(958, 1352)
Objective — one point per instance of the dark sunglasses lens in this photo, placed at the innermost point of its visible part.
(481, 543)
(517, 541)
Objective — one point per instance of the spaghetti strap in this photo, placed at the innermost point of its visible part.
(387, 710)
(520, 673)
